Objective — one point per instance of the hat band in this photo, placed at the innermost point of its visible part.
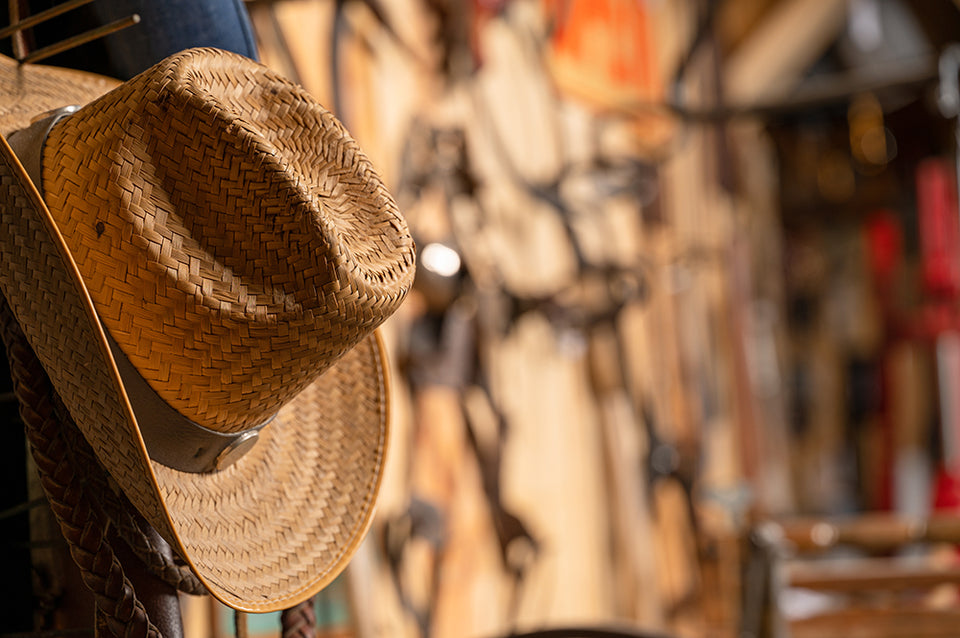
(28, 143)
(170, 438)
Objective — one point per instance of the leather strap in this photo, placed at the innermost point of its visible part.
(170, 438)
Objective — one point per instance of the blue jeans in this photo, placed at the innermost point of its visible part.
(166, 27)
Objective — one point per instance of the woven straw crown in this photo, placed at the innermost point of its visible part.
(229, 236)
(251, 238)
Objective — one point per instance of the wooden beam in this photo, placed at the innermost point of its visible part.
(773, 57)
(870, 575)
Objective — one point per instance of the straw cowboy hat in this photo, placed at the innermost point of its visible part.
(200, 258)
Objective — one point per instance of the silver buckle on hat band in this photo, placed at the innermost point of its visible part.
(170, 438)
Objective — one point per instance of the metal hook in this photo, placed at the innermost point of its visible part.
(17, 26)
(43, 16)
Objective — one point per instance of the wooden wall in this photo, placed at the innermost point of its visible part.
(591, 413)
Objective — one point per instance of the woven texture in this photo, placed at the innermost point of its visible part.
(29, 90)
(252, 268)
(253, 239)
(299, 621)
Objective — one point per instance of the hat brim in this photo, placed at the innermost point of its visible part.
(269, 531)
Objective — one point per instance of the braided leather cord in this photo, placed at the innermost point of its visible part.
(299, 621)
(82, 524)
(84, 503)
(129, 523)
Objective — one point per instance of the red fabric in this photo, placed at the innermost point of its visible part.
(939, 227)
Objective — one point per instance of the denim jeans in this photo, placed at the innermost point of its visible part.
(166, 27)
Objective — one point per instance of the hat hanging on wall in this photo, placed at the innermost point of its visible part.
(200, 258)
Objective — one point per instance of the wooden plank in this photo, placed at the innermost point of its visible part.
(878, 622)
(632, 535)
(304, 28)
(773, 57)
(553, 475)
(870, 574)
(874, 531)
(471, 597)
